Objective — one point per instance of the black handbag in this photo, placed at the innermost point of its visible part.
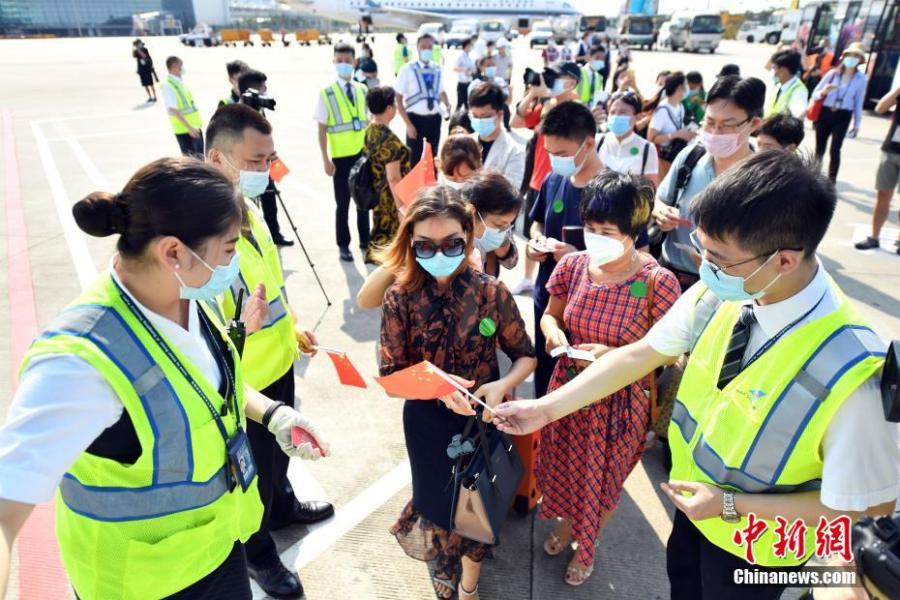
(485, 489)
(361, 181)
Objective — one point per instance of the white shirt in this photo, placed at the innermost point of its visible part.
(799, 99)
(63, 404)
(170, 99)
(320, 114)
(667, 119)
(627, 156)
(860, 450)
(464, 61)
(407, 85)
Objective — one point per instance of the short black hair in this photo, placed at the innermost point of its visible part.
(460, 118)
(491, 193)
(729, 69)
(570, 120)
(344, 49)
(788, 58)
(378, 99)
(251, 78)
(784, 128)
(399, 36)
(597, 48)
(172, 60)
(487, 93)
(626, 97)
(425, 36)
(673, 82)
(694, 77)
(229, 122)
(236, 67)
(623, 199)
(749, 94)
(770, 201)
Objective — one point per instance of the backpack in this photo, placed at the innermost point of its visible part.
(362, 184)
(682, 178)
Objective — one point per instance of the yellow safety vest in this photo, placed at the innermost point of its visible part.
(186, 107)
(401, 57)
(270, 352)
(346, 126)
(152, 528)
(763, 432)
(437, 54)
(590, 82)
(781, 104)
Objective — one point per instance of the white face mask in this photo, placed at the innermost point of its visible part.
(602, 249)
(443, 180)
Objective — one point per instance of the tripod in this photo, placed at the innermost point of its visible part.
(302, 247)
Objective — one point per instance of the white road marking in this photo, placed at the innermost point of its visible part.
(78, 249)
(104, 134)
(93, 173)
(84, 117)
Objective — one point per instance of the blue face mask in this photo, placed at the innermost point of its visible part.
(597, 65)
(690, 93)
(440, 265)
(619, 124)
(483, 127)
(344, 70)
(491, 239)
(559, 87)
(851, 62)
(426, 54)
(219, 281)
(730, 288)
(252, 183)
(490, 72)
(565, 165)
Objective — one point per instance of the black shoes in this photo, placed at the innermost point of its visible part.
(867, 244)
(307, 513)
(282, 241)
(345, 254)
(277, 581)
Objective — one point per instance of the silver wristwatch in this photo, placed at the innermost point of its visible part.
(729, 514)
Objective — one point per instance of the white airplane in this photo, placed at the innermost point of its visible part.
(409, 14)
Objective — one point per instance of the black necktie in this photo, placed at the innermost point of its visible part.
(778, 95)
(350, 92)
(734, 356)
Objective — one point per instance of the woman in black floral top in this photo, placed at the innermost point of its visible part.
(441, 310)
(389, 161)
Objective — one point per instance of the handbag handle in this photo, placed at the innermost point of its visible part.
(655, 408)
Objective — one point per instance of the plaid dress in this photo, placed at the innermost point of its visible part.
(585, 457)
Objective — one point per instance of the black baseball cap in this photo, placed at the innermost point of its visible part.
(570, 69)
(729, 69)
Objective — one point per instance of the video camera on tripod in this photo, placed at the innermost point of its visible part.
(257, 101)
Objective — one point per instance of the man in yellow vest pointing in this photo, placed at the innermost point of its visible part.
(183, 114)
(777, 430)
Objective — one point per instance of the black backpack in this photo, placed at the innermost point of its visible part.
(682, 178)
(362, 184)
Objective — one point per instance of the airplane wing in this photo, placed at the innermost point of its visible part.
(412, 12)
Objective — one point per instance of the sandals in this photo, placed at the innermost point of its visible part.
(554, 544)
(443, 588)
(473, 595)
(576, 574)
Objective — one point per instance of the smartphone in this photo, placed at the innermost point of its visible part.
(574, 235)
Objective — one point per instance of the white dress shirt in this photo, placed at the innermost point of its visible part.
(860, 449)
(63, 404)
(627, 156)
(407, 85)
(320, 114)
(464, 61)
(799, 99)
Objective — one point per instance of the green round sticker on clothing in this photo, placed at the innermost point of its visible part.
(638, 289)
(634, 151)
(558, 205)
(487, 327)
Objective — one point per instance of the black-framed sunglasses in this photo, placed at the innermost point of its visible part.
(450, 248)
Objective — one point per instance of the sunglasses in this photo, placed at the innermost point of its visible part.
(450, 248)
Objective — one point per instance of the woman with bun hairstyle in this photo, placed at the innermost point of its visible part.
(132, 403)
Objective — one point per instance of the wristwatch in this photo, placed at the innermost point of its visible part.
(729, 514)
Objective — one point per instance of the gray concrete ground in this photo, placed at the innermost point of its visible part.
(81, 124)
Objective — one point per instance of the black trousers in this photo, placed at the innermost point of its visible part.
(269, 204)
(545, 363)
(833, 123)
(341, 184)
(427, 127)
(700, 570)
(462, 95)
(190, 146)
(271, 465)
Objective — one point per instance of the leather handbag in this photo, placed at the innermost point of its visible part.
(486, 487)
(814, 110)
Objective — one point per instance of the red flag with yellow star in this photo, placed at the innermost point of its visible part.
(422, 381)
(346, 372)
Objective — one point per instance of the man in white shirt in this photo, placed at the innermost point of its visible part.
(790, 94)
(183, 114)
(777, 355)
(503, 60)
(500, 151)
(420, 91)
(465, 70)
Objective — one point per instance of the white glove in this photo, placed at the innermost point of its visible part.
(283, 420)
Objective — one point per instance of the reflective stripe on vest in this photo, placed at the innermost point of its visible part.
(424, 92)
(185, 99)
(277, 309)
(785, 422)
(339, 125)
(781, 103)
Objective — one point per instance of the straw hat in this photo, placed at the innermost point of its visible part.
(857, 49)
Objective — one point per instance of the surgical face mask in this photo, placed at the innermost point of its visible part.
(484, 126)
(619, 124)
(444, 180)
(720, 145)
(602, 249)
(690, 93)
(565, 165)
(441, 265)
(559, 87)
(426, 54)
(219, 281)
(490, 72)
(491, 239)
(851, 62)
(252, 183)
(730, 288)
(597, 65)
(344, 70)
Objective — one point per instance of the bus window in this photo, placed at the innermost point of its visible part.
(885, 55)
(706, 24)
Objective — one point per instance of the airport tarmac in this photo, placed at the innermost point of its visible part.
(73, 120)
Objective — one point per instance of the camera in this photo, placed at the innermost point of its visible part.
(257, 101)
(876, 549)
(533, 78)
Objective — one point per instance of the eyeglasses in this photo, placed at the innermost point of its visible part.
(723, 127)
(695, 241)
(450, 248)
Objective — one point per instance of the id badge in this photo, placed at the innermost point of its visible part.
(240, 460)
(357, 124)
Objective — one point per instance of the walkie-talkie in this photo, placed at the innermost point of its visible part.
(236, 330)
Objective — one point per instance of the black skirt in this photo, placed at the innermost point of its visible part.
(146, 77)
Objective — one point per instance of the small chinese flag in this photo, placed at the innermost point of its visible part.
(422, 175)
(423, 381)
(346, 372)
(278, 170)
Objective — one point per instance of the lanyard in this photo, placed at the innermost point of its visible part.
(181, 369)
(771, 341)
